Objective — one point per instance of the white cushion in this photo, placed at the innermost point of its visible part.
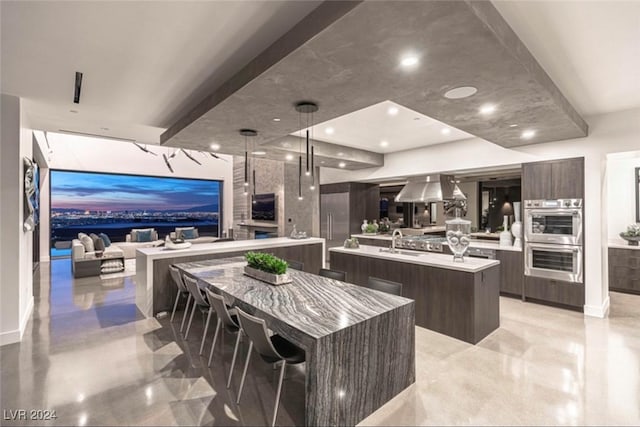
(87, 242)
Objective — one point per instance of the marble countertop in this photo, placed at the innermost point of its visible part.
(431, 259)
(623, 246)
(315, 305)
(230, 246)
(483, 244)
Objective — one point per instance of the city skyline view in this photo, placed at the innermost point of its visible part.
(84, 191)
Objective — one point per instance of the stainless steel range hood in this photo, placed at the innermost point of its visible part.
(432, 188)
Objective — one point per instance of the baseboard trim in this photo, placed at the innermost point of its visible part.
(27, 315)
(600, 312)
(11, 337)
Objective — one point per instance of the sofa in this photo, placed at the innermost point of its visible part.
(182, 233)
(131, 244)
(110, 262)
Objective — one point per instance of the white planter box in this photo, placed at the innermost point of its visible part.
(272, 279)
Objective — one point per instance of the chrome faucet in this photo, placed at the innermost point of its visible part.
(393, 239)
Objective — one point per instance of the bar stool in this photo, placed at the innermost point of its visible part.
(296, 265)
(182, 292)
(333, 274)
(383, 285)
(199, 303)
(272, 349)
(227, 320)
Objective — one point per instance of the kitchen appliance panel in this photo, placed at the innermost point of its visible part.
(334, 214)
(554, 221)
(561, 262)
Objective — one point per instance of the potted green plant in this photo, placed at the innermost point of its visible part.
(370, 229)
(632, 235)
(267, 268)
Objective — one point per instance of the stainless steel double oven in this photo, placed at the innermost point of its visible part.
(553, 239)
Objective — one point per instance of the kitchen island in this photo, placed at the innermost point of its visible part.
(359, 343)
(156, 292)
(458, 299)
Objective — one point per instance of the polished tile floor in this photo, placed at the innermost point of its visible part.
(89, 355)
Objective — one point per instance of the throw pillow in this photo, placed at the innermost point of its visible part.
(144, 236)
(105, 239)
(135, 231)
(189, 234)
(87, 242)
(99, 244)
(95, 239)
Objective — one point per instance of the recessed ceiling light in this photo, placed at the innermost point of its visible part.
(487, 109)
(340, 154)
(513, 126)
(528, 134)
(409, 61)
(289, 157)
(275, 119)
(384, 143)
(460, 92)
(416, 118)
(329, 131)
(393, 111)
(104, 128)
(342, 164)
(259, 153)
(214, 146)
(322, 162)
(73, 111)
(445, 131)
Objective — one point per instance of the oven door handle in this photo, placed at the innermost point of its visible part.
(554, 248)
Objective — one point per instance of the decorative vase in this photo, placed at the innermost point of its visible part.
(375, 225)
(516, 227)
(631, 240)
(363, 227)
(505, 235)
(458, 230)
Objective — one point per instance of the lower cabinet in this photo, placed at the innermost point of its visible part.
(624, 270)
(555, 292)
(511, 272)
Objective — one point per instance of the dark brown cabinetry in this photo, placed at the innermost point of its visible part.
(511, 272)
(459, 304)
(624, 270)
(374, 242)
(554, 179)
(557, 292)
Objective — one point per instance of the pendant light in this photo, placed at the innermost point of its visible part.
(307, 108)
(247, 133)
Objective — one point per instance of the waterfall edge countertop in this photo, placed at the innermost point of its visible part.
(357, 341)
(431, 259)
(313, 304)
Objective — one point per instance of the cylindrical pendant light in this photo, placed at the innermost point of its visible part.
(300, 177)
(307, 108)
(247, 133)
(313, 171)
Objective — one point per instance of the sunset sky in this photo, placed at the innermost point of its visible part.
(93, 191)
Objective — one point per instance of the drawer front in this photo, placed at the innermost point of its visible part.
(554, 291)
(624, 258)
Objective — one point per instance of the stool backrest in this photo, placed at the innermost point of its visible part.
(256, 330)
(296, 265)
(194, 290)
(217, 302)
(387, 286)
(333, 274)
(177, 278)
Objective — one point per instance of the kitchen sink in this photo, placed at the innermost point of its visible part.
(399, 252)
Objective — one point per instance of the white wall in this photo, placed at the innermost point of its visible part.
(621, 190)
(16, 245)
(608, 133)
(80, 153)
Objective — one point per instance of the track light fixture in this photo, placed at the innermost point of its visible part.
(307, 108)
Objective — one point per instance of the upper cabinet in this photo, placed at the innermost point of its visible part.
(555, 179)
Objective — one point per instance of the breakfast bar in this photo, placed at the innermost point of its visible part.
(359, 343)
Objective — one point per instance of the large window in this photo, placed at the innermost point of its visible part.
(114, 204)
